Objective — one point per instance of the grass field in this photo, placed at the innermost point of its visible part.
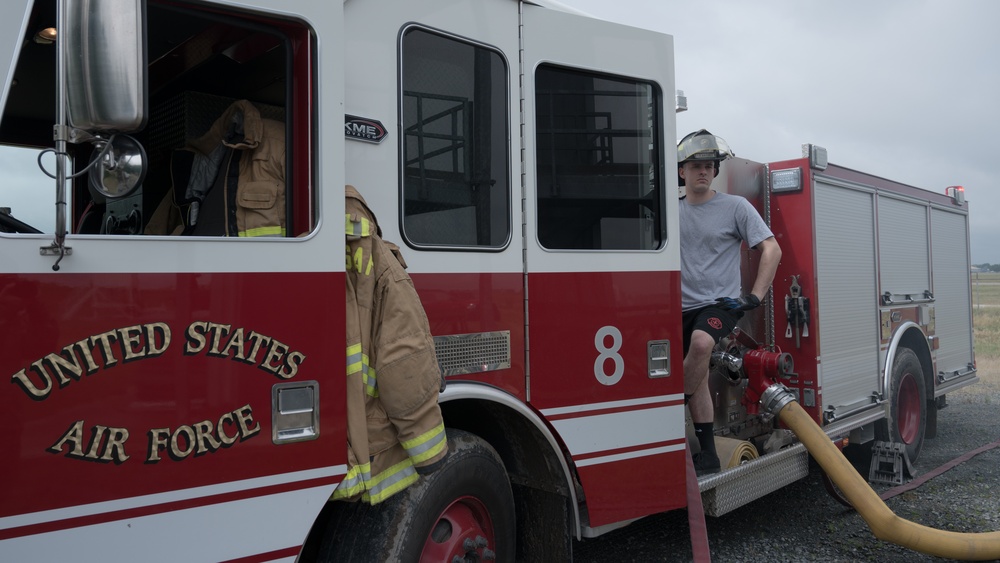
(986, 335)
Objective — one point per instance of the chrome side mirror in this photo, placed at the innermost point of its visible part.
(102, 85)
(103, 44)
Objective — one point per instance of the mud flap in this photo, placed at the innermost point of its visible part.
(544, 524)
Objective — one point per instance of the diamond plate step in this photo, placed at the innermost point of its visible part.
(726, 491)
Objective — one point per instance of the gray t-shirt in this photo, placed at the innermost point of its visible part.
(711, 234)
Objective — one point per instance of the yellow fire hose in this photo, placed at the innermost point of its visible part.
(763, 369)
(733, 453)
(882, 521)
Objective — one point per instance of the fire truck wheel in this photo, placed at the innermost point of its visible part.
(908, 408)
(463, 511)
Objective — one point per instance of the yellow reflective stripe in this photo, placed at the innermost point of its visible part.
(378, 488)
(354, 482)
(358, 362)
(391, 481)
(360, 228)
(368, 376)
(354, 359)
(263, 232)
(426, 445)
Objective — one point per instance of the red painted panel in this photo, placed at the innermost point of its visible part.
(479, 302)
(566, 311)
(642, 487)
(568, 363)
(292, 329)
(792, 223)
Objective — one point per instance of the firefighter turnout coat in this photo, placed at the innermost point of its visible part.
(228, 182)
(394, 423)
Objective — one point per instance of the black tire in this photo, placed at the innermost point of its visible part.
(468, 497)
(907, 420)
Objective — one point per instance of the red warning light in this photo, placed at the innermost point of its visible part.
(956, 193)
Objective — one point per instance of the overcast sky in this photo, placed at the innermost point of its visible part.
(904, 89)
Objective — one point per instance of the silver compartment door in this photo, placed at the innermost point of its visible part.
(952, 294)
(847, 292)
(904, 257)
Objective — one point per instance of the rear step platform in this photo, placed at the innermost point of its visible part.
(732, 488)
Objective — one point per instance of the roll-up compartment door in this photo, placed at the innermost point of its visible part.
(847, 295)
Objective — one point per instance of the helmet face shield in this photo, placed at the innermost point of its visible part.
(702, 145)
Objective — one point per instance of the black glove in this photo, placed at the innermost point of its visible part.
(738, 303)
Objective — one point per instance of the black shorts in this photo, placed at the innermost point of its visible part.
(711, 319)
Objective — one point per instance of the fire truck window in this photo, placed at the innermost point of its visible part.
(26, 198)
(599, 184)
(456, 185)
(200, 64)
(218, 135)
(27, 195)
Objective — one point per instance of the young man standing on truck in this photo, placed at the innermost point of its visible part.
(713, 226)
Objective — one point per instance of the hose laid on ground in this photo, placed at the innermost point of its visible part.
(885, 524)
(935, 472)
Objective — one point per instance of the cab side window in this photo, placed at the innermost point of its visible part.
(225, 117)
(26, 203)
(599, 171)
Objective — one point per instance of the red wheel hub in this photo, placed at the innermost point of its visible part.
(463, 530)
(908, 409)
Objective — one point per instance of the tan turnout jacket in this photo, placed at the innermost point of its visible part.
(394, 423)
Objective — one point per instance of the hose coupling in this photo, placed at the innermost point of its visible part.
(731, 362)
(775, 398)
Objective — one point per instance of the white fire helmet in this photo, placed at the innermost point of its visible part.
(702, 145)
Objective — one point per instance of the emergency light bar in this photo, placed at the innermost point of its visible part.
(816, 155)
(956, 193)
(680, 102)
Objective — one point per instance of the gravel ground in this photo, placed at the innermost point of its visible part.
(803, 523)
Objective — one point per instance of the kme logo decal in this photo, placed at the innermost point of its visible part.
(364, 129)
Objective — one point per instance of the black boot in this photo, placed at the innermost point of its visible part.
(707, 460)
(706, 463)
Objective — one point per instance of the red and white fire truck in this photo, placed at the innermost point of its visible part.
(178, 395)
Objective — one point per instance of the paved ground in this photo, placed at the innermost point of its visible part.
(803, 523)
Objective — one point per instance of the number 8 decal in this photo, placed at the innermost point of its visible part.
(605, 354)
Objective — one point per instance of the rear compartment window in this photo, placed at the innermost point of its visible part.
(599, 173)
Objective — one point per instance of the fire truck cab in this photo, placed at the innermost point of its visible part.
(174, 359)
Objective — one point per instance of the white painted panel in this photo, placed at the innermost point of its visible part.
(619, 430)
(252, 520)
(241, 528)
(600, 47)
(373, 91)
